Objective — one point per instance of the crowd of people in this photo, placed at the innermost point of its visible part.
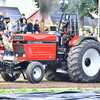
(28, 28)
(6, 28)
(90, 32)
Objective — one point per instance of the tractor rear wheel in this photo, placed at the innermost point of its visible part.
(84, 62)
(52, 75)
(10, 78)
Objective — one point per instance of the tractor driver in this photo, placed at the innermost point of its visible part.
(68, 32)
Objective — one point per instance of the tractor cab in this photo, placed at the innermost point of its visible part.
(69, 24)
(68, 28)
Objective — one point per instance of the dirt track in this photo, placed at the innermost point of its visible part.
(24, 84)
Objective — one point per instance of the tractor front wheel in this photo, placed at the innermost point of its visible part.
(8, 77)
(84, 62)
(35, 72)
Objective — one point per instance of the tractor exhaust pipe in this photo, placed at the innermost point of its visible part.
(47, 6)
(42, 25)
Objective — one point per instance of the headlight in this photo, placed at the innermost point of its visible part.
(16, 55)
(24, 55)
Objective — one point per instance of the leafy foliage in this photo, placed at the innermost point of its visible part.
(36, 3)
(83, 7)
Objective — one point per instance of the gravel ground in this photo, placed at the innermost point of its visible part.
(24, 84)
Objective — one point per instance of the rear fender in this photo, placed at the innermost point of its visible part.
(73, 41)
(78, 39)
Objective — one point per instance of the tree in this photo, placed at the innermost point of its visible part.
(83, 7)
(36, 3)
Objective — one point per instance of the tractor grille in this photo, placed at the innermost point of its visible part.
(19, 50)
(18, 37)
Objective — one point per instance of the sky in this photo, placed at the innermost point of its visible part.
(24, 6)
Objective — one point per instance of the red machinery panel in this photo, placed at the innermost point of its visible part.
(37, 47)
(39, 52)
(73, 41)
(34, 37)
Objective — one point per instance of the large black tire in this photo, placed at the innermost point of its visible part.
(35, 72)
(52, 75)
(84, 62)
(8, 77)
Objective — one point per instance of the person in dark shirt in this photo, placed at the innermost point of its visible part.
(23, 29)
(30, 27)
(36, 26)
(21, 19)
(1, 19)
(4, 26)
(1, 33)
(7, 18)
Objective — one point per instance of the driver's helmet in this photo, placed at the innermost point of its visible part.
(65, 22)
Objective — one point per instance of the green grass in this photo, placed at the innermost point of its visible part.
(46, 90)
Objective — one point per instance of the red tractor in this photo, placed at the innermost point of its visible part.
(64, 54)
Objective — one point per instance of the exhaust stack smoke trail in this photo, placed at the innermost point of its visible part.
(47, 6)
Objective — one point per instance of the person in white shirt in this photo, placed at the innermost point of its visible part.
(95, 34)
(80, 32)
(10, 25)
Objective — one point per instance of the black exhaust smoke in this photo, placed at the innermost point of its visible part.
(47, 6)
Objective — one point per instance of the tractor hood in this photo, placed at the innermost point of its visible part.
(34, 37)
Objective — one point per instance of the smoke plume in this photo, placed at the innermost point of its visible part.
(47, 6)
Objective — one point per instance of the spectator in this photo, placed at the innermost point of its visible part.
(57, 26)
(7, 18)
(80, 32)
(91, 31)
(30, 27)
(36, 26)
(8, 33)
(99, 38)
(1, 19)
(1, 35)
(85, 33)
(46, 31)
(10, 43)
(21, 19)
(23, 28)
(4, 26)
(1, 42)
(95, 33)
(4, 33)
(10, 25)
(6, 43)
